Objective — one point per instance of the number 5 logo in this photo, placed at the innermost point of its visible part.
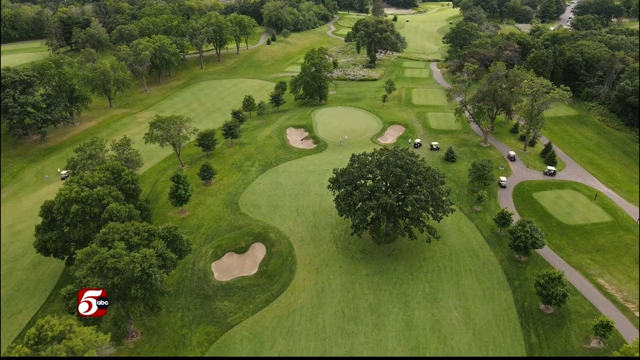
(92, 302)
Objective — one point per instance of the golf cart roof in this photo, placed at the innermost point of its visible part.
(512, 153)
(551, 168)
(434, 143)
(64, 172)
(502, 178)
(417, 140)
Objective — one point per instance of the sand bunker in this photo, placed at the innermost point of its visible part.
(391, 135)
(232, 265)
(297, 138)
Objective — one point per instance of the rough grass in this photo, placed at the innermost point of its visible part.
(560, 110)
(419, 73)
(605, 252)
(429, 97)
(338, 275)
(424, 32)
(19, 53)
(608, 154)
(443, 121)
(571, 207)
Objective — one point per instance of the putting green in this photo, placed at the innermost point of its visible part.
(33, 276)
(443, 121)
(561, 110)
(414, 64)
(352, 297)
(430, 97)
(293, 68)
(419, 73)
(571, 207)
(424, 32)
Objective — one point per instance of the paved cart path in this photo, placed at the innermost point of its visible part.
(573, 172)
(333, 28)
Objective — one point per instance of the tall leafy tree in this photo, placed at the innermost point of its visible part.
(628, 350)
(137, 57)
(389, 87)
(53, 336)
(538, 95)
(108, 78)
(235, 32)
(19, 99)
(472, 107)
(231, 130)
(503, 219)
(220, 31)
(552, 288)
(263, 108)
(124, 35)
(131, 261)
(313, 80)
(276, 99)
(247, 26)
(377, 9)
(460, 36)
(390, 192)
(180, 191)
(199, 34)
(94, 37)
(375, 34)
(249, 104)
(524, 237)
(85, 204)
(497, 92)
(89, 155)
(481, 173)
(206, 140)
(207, 173)
(171, 130)
(164, 57)
(602, 328)
(123, 152)
(238, 115)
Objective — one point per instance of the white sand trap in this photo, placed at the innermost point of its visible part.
(391, 135)
(232, 265)
(297, 138)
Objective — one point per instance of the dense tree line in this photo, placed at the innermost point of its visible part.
(596, 60)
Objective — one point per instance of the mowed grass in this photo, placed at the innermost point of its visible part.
(415, 64)
(443, 121)
(571, 207)
(419, 73)
(609, 155)
(293, 68)
(19, 53)
(330, 302)
(424, 33)
(430, 97)
(342, 31)
(506, 29)
(605, 252)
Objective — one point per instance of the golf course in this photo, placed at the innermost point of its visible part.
(319, 290)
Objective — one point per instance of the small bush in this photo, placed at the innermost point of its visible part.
(450, 155)
(238, 114)
(522, 137)
(273, 37)
(533, 141)
(547, 147)
(515, 128)
(268, 41)
(395, 18)
(551, 159)
(285, 33)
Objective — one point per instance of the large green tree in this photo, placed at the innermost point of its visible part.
(313, 80)
(131, 261)
(199, 34)
(390, 192)
(503, 219)
(89, 155)
(108, 78)
(180, 191)
(171, 130)
(164, 56)
(94, 37)
(376, 34)
(472, 107)
(85, 204)
(377, 9)
(524, 237)
(249, 104)
(480, 173)
(231, 130)
(206, 140)
(460, 36)
(123, 152)
(552, 288)
(53, 336)
(628, 350)
(497, 92)
(602, 328)
(220, 31)
(137, 57)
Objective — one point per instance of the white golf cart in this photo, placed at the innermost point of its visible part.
(550, 171)
(417, 143)
(64, 174)
(434, 146)
(511, 156)
(502, 182)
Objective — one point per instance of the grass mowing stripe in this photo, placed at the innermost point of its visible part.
(432, 97)
(571, 207)
(443, 121)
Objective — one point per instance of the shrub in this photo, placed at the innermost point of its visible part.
(395, 18)
(533, 141)
(238, 114)
(273, 37)
(603, 327)
(522, 137)
(285, 33)
(450, 155)
(207, 173)
(268, 41)
(547, 147)
(515, 128)
(551, 159)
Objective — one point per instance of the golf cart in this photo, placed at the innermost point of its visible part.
(64, 174)
(502, 182)
(417, 143)
(434, 146)
(550, 171)
(511, 156)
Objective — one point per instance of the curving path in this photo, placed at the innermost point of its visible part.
(573, 172)
(263, 39)
(333, 28)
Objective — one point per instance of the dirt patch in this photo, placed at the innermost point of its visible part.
(297, 139)
(388, 9)
(546, 309)
(631, 306)
(596, 343)
(391, 135)
(233, 265)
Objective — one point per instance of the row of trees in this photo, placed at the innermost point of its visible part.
(522, 11)
(599, 65)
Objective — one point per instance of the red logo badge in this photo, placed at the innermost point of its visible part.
(92, 302)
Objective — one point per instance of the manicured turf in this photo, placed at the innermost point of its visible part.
(23, 52)
(560, 110)
(342, 31)
(419, 73)
(415, 64)
(609, 155)
(571, 207)
(605, 252)
(424, 32)
(293, 68)
(443, 121)
(454, 282)
(505, 29)
(428, 97)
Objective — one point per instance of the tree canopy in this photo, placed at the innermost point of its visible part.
(390, 192)
(552, 288)
(171, 130)
(524, 237)
(376, 34)
(481, 173)
(313, 80)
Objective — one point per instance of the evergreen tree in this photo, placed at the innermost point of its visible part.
(273, 37)
(551, 159)
(547, 147)
(450, 155)
(249, 104)
(515, 128)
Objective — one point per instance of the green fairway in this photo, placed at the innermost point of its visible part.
(293, 68)
(23, 52)
(419, 73)
(560, 110)
(610, 155)
(571, 207)
(424, 32)
(605, 252)
(430, 97)
(443, 121)
(342, 31)
(415, 64)
(448, 291)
